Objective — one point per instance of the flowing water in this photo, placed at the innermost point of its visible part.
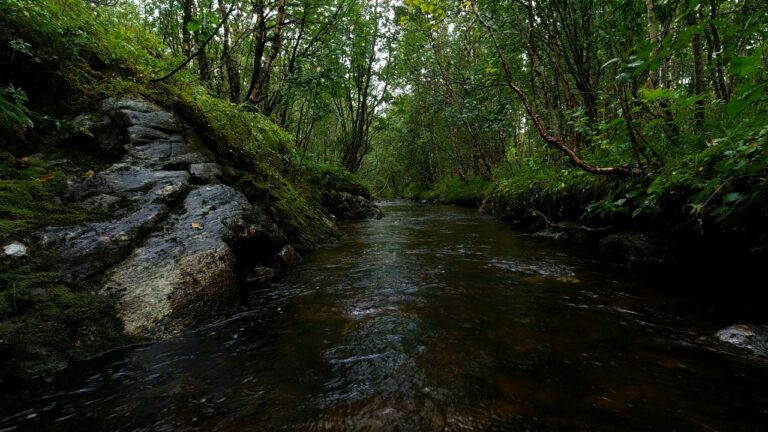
(434, 318)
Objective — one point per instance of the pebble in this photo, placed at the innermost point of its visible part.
(15, 249)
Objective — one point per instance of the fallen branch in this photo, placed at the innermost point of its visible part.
(568, 227)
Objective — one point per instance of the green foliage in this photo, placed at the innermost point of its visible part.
(249, 130)
(14, 115)
(452, 190)
(330, 177)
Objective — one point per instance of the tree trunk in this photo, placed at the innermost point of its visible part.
(653, 36)
(186, 38)
(260, 88)
(233, 72)
(698, 70)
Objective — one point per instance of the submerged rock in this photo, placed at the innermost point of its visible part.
(345, 205)
(261, 275)
(637, 246)
(288, 256)
(750, 337)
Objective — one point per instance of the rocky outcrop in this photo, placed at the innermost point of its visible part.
(345, 205)
(167, 251)
(186, 270)
(753, 338)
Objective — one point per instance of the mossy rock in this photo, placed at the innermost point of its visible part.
(45, 324)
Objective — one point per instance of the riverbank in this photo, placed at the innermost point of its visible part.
(713, 205)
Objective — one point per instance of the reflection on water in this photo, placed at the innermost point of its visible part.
(431, 319)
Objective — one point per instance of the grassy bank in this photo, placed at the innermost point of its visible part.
(719, 193)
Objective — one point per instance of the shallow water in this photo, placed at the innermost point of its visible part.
(434, 318)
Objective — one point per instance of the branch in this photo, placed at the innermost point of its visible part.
(199, 50)
(543, 133)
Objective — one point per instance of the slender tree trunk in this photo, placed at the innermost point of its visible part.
(259, 91)
(653, 36)
(260, 42)
(186, 38)
(717, 48)
(230, 63)
(698, 69)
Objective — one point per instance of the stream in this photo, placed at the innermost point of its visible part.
(435, 318)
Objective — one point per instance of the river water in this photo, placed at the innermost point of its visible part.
(434, 318)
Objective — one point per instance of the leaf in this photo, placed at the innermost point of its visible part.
(46, 178)
(194, 25)
(197, 225)
(748, 93)
(731, 197)
(624, 77)
(744, 66)
(657, 94)
(610, 62)
(620, 202)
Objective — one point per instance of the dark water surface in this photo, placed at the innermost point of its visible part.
(434, 318)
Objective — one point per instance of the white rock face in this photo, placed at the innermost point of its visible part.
(15, 249)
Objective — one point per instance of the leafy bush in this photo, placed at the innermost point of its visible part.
(14, 115)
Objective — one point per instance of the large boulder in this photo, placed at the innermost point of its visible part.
(186, 272)
(166, 248)
(142, 197)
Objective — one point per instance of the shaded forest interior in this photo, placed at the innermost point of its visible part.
(601, 110)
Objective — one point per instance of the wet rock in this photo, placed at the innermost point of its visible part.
(261, 275)
(750, 337)
(288, 256)
(139, 105)
(185, 272)
(90, 249)
(15, 249)
(205, 172)
(97, 131)
(166, 250)
(345, 205)
(151, 140)
(100, 201)
(637, 246)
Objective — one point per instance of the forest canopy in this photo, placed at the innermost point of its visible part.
(626, 108)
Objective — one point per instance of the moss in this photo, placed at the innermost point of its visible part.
(28, 200)
(299, 217)
(46, 324)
